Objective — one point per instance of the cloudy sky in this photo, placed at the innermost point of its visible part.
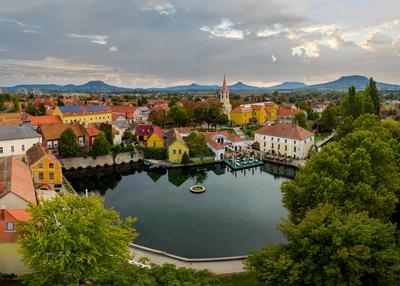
(141, 43)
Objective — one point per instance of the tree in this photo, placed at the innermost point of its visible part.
(74, 240)
(127, 136)
(68, 145)
(158, 117)
(197, 144)
(328, 121)
(30, 109)
(359, 172)
(200, 114)
(109, 136)
(178, 115)
(352, 108)
(101, 146)
(42, 110)
(16, 104)
(301, 120)
(60, 102)
(373, 92)
(185, 159)
(329, 247)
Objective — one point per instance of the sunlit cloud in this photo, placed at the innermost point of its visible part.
(26, 28)
(307, 50)
(97, 39)
(225, 30)
(113, 49)
(274, 58)
(160, 7)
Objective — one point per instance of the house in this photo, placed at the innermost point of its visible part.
(16, 186)
(222, 141)
(260, 112)
(119, 127)
(51, 134)
(287, 115)
(8, 223)
(15, 140)
(151, 134)
(45, 168)
(10, 118)
(176, 145)
(132, 113)
(90, 132)
(83, 113)
(44, 119)
(285, 139)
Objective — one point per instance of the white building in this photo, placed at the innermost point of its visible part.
(224, 99)
(119, 127)
(285, 139)
(15, 140)
(221, 141)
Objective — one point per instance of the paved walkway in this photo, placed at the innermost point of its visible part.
(240, 133)
(217, 266)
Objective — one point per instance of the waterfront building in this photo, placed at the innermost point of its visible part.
(16, 186)
(260, 112)
(83, 113)
(285, 139)
(15, 140)
(224, 99)
(46, 170)
(90, 132)
(152, 135)
(51, 134)
(176, 145)
(221, 141)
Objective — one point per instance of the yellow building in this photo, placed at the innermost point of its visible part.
(152, 135)
(255, 113)
(83, 114)
(176, 146)
(45, 168)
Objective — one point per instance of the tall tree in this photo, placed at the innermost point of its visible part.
(197, 144)
(178, 115)
(327, 121)
(101, 146)
(301, 120)
(68, 145)
(200, 114)
(74, 240)
(373, 91)
(329, 247)
(352, 102)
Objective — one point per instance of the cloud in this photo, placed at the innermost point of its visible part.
(307, 50)
(97, 39)
(26, 28)
(274, 58)
(225, 30)
(162, 8)
(113, 49)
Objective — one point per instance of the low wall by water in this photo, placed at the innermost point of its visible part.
(101, 161)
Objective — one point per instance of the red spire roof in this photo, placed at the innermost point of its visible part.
(224, 86)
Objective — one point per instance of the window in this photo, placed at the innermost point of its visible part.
(10, 226)
(154, 144)
(305, 141)
(294, 148)
(174, 151)
(12, 149)
(51, 165)
(279, 146)
(285, 140)
(51, 176)
(40, 165)
(272, 138)
(278, 139)
(55, 144)
(265, 144)
(272, 145)
(41, 176)
(22, 147)
(1, 150)
(179, 151)
(285, 147)
(294, 142)
(49, 145)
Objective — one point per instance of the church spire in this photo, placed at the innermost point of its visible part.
(224, 89)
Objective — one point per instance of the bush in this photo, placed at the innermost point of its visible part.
(185, 159)
(155, 153)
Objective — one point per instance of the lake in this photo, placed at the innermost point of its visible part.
(238, 212)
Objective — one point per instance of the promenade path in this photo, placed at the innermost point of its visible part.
(217, 266)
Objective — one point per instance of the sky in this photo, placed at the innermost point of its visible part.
(143, 43)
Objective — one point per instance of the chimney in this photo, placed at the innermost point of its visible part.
(2, 212)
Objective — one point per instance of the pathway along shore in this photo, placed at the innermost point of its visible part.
(226, 265)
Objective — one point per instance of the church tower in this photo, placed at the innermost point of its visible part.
(224, 99)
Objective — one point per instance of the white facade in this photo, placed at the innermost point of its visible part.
(17, 147)
(285, 146)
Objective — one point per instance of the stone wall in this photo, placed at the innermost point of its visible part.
(100, 161)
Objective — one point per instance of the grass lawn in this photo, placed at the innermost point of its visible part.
(321, 136)
(245, 279)
(11, 260)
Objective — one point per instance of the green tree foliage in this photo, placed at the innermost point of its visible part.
(73, 240)
(197, 144)
(359, 172)
(42, 109)
(158, 117)
(60, 102)
(373, 92)
(68, 145)
(30, 109)
(328, 120)
(101, 146)
(311, 114)
(301, 120)
(215, 116)
(178, 115)
(127, 136)
(352, 109)
(185, 158)
(155, 153)
(329, 247)
(15, 101)
(109, 135)
(200, 114)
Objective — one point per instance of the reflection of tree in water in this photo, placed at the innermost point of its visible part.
(178, 176)
(155, 175)
(279, 170)
(101, 179)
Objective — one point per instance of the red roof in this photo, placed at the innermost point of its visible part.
(92, 131)
(19, 214)
(289, 112)
(148, 130)
(230, 137)
(123, 109)
(44, 119)
(285, 130)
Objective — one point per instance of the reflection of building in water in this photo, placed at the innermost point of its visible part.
(279, 170)
(154, 176)
(219, 169)
(177, 176)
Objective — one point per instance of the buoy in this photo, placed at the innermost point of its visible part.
(197, 189)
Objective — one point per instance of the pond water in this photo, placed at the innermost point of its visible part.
(238, 212)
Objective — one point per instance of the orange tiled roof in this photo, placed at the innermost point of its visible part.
(19, 214)
(54, 131)
(37, 152)
(44, 119)
(92, 131)
(18, 178)
(285, 130)
(289, 112)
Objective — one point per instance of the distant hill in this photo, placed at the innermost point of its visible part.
(342, 83)
(354, 80)
(287, 85)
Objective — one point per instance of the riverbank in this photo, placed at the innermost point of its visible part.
(220, 266)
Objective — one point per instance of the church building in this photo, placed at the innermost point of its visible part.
(224, 99)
